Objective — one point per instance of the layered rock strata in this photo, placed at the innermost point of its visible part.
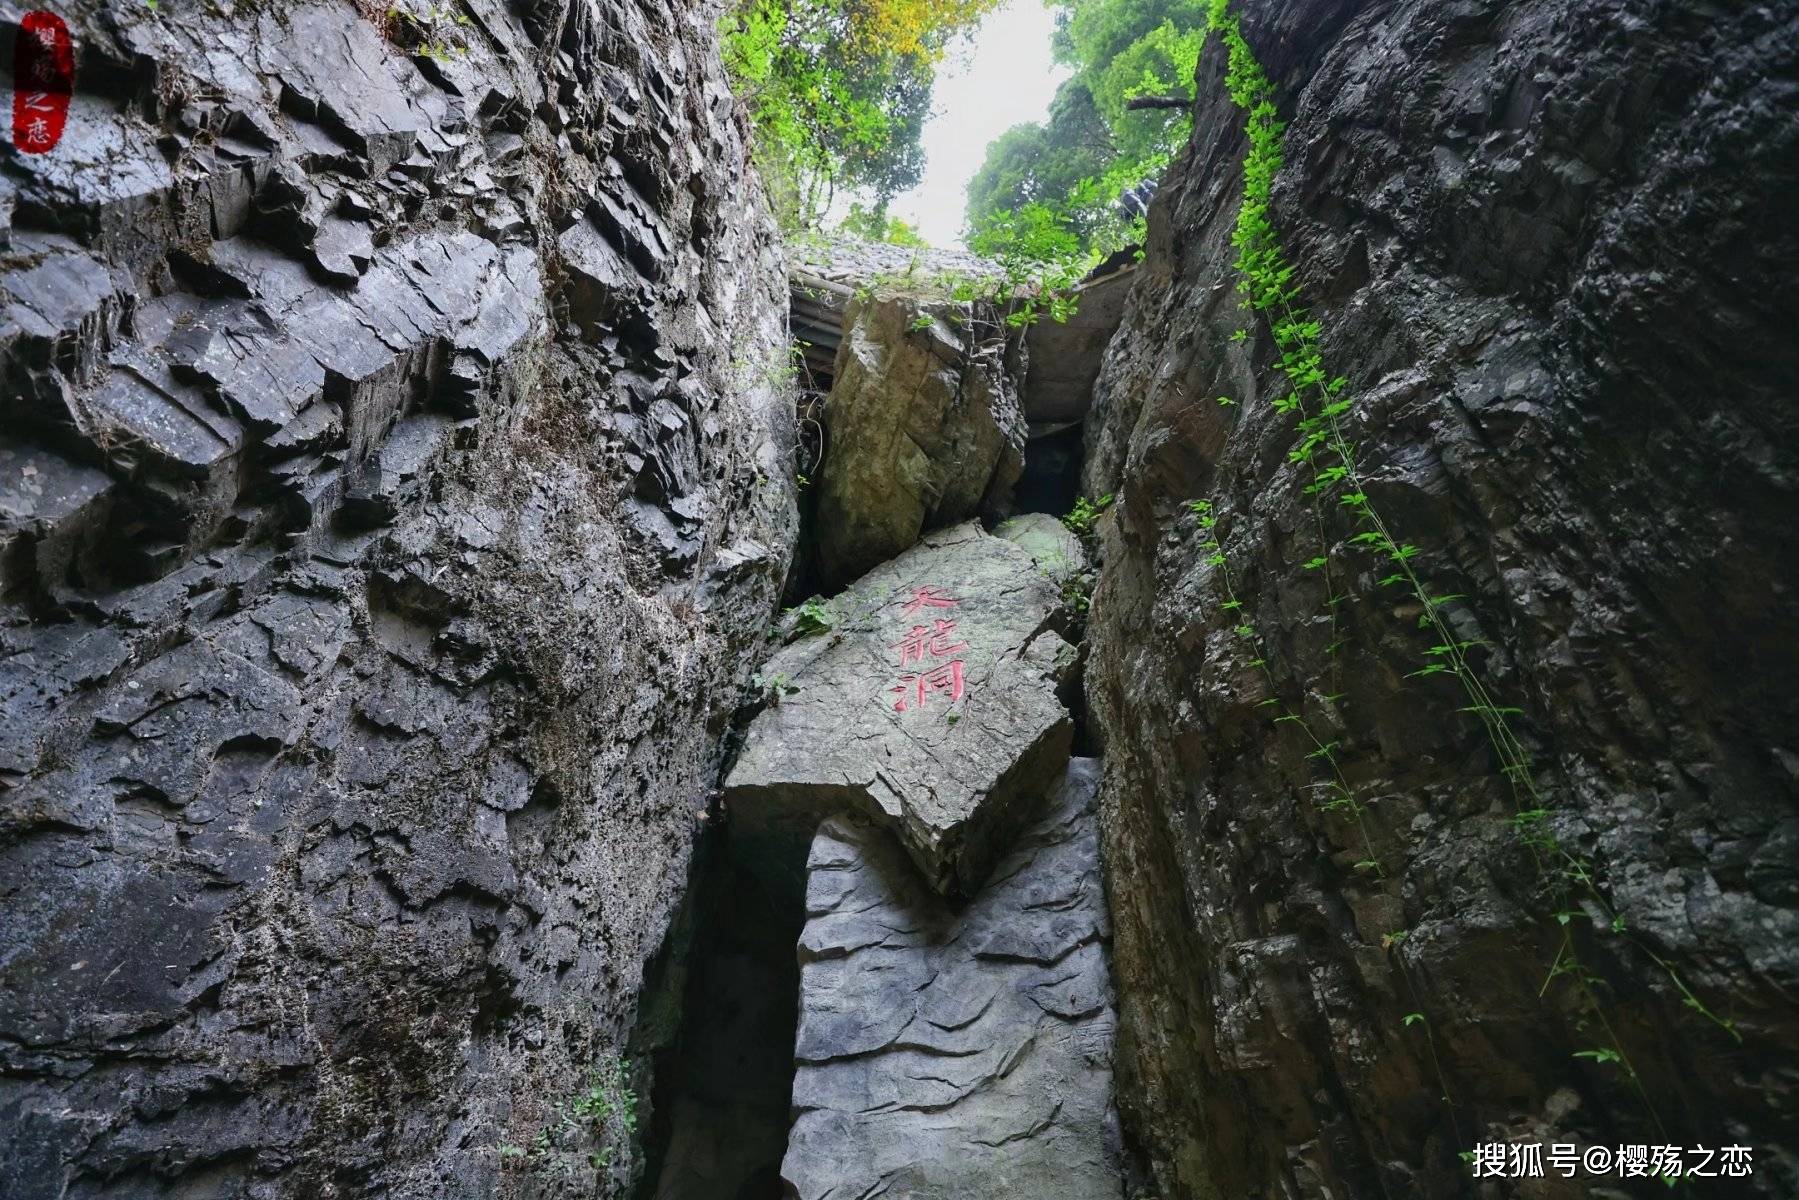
(390, 493)
(947, 1053)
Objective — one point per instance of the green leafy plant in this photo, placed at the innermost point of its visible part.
(435, 33)
(1320, 404)
(1602, 1055)
(1086, 513)
(872, 223)
(1077, 593)
(590, 1126)
(814, 616)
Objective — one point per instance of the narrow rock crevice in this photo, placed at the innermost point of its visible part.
(723, 1100)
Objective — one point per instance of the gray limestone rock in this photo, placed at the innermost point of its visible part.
(386, 534)
(929, 702)
(1051, 544)
(1550, 246)
(923, 427)
(944, 1054)
(858, 263)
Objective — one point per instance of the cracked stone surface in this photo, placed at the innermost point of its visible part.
(930, 703)
(858, 263)
(947, 1054)
(1550, 245)
(923, 427)
(387, 523)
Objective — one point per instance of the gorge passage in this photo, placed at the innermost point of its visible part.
(483, 716)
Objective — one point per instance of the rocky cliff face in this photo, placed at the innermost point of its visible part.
(391, 483)
(1546, 242)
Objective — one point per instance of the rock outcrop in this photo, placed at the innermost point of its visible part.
(926, 698)
(1065, 356)
(951, 1054)
(923, 427)
(1549, 244)
(827, 272)
(386, 521)
(1053, 547)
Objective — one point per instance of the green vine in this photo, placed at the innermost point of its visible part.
(1339, 796)
(1321, 402)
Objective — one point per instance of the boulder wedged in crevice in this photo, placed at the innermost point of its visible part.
(926, 697)
(923, 427)
(947, 1053)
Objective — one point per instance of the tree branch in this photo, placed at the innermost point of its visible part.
(1159, 102)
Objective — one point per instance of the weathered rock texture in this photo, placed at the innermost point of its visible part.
(930, 703)
(858, 264)
(825, 273)
(1051, 544)
(1550, 244)
(1065, 355)
(923, 427)
(945, 1055)
(385, 525)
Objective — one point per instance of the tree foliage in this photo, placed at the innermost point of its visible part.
(872, 224)
(838, 92)
(1044, 163)
(1075, 166)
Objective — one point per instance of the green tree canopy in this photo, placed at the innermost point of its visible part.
(1044, 163)
(838, 92)
(1092, 148)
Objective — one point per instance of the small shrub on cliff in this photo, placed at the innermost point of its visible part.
(814, 616)
(1085, 514)
(590, 1126)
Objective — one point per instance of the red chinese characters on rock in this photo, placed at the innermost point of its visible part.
(927, 597)
(924, 645)
(43, 80)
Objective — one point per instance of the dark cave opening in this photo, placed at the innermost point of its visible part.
(1051, 481)
(722, 1105)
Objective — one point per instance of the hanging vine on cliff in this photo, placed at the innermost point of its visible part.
(1322, 404)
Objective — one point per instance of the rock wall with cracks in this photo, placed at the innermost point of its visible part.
(1546, 240)
(392, 480)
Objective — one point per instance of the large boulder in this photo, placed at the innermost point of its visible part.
(928, 702)
(944, 1054)
(923, 427)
